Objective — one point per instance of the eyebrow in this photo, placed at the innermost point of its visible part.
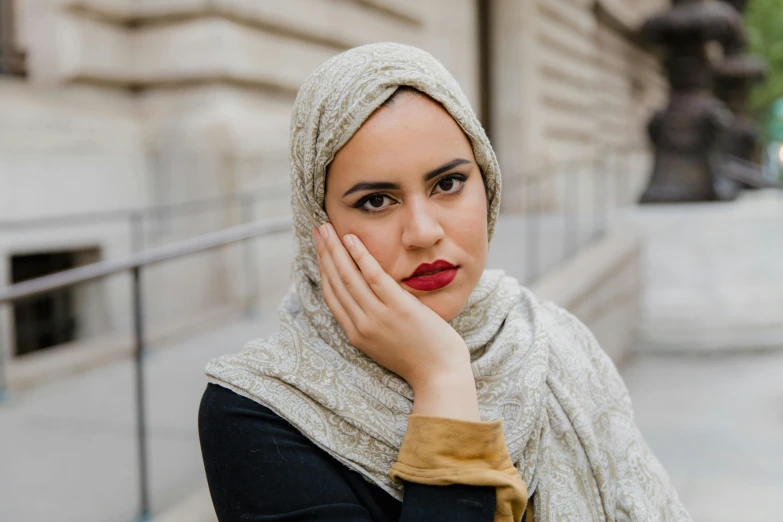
(387, 185)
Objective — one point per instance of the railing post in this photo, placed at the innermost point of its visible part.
(136, 222)
(250, 262)
(3, 366)
(625, 181)
(565, 208)
(571, 210)
(534, 232)
(600, 166)
(145, 512)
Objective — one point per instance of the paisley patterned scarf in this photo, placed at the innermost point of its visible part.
(566, 413)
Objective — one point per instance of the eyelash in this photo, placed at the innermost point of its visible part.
(363, 201)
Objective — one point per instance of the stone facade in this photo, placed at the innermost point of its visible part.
(130, 103)
(570, 82)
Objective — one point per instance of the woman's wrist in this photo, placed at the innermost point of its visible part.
(448, 393)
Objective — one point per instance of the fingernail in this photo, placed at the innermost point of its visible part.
(325, 231)
(316, 235)
(349, 241)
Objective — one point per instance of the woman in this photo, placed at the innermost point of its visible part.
(408, 383)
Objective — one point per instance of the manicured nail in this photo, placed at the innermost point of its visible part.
(350, 242)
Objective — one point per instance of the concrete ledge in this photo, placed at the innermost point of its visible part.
(713, 275)
(602, 286)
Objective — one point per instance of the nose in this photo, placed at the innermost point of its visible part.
(422, 228)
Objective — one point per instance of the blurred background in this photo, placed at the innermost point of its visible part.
(144, 220)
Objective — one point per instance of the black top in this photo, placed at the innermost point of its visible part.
(262, 469)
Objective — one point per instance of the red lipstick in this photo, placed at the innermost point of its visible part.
(432, 276)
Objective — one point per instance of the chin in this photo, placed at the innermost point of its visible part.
(446, 304)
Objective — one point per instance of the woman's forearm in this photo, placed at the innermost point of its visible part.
(450, 394)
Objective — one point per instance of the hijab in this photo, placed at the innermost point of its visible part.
(567, 416)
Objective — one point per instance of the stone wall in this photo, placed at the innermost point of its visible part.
(569, 82)
(132, 103)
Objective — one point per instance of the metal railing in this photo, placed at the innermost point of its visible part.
(153, 225)
(134, 264)
(567, 205)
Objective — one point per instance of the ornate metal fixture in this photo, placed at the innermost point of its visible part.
(689, 133)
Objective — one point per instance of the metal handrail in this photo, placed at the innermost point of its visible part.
(134, 263)
(174, 250)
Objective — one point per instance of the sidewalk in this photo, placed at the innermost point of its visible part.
(716, 424)
(68, 449)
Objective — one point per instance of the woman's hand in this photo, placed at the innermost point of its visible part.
(393, 328)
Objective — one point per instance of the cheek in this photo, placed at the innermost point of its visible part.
(379, 242)
(468, 226)
(375, 236)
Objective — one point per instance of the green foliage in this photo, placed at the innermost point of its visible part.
(764, 23)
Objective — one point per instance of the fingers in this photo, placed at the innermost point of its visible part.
(381, 283)
(335, 306)
(351, 277)
(331, 277)
(346, 281)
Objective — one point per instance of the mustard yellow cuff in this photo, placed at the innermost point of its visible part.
(439, 451)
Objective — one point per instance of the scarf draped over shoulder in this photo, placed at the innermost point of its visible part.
(567, 416)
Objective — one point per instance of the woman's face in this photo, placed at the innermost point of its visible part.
(408, 186)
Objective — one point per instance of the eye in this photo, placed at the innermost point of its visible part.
(450, 184)
(373, 203)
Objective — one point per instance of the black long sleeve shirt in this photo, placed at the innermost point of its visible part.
(262, 469)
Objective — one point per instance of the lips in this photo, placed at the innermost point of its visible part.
(432, 276)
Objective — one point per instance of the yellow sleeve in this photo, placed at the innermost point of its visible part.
(438, 451)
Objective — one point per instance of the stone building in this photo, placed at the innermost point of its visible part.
(121, 104)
